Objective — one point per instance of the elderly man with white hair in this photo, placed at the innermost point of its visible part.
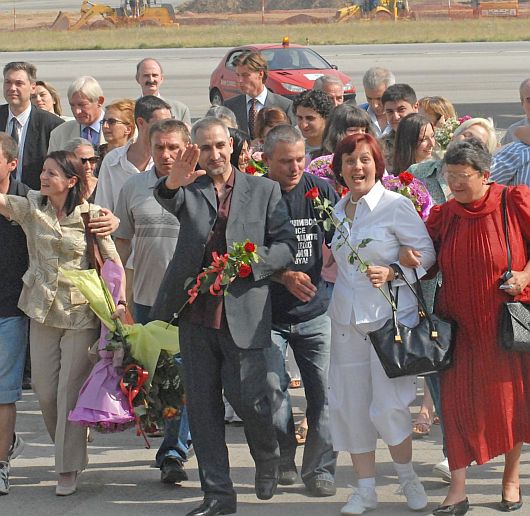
(86, 101)
(376, 80)
(332, 86)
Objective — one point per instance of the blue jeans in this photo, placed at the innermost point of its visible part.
(310, 342)
(13, 343)
(433, 382)
(177, 430)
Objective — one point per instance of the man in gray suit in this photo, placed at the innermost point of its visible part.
(251, 71)
(86, 102)
(149, 76)
(223, 338)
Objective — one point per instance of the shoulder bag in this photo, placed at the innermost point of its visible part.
(514, 331)
(421, 350)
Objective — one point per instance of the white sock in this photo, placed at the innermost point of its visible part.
(405, 472)
(366, 483)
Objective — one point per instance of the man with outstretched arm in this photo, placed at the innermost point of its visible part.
(223, 338)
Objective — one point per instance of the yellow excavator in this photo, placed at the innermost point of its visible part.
(133, 13)
(375, 9)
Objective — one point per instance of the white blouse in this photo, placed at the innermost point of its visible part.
(391, 221)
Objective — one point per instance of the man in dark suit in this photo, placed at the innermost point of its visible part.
(223, 338)
(251, 71)
(27, 124)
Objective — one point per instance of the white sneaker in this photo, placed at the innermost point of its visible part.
(416, 497)
(16, 448)
(4, 478)
(442, 470)
(361, 500)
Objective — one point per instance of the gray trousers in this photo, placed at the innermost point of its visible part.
(212, 362)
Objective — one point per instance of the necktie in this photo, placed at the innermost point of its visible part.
(88, 134)
(252, 112)
(15, 128)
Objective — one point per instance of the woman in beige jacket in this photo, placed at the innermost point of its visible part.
(62, 325)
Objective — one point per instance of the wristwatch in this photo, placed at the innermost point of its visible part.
(397, 271)
(123, 303)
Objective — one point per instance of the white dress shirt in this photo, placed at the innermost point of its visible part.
(260, 104)
(115, 170)
(391, 221)
(23, 121)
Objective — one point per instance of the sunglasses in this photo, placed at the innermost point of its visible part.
(111, 121)
(93, 160)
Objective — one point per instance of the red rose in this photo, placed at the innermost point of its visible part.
(244, 270)
(250, 247)
(250, 170)
(312, 194)
(406, 178)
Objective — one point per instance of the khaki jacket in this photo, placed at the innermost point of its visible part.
(47, 295)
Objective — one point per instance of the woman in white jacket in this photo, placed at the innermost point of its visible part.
(363, 401)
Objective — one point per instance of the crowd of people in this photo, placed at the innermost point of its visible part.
(162, 196)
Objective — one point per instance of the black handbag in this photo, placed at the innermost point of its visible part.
(514, 330)
(422, 350)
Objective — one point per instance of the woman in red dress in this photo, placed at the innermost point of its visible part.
(486, 393)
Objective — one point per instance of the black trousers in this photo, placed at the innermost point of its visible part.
(212, 362)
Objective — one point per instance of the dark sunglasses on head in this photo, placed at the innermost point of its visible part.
(92, 159)
(111, 121)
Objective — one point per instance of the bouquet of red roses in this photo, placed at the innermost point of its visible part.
(224, 269)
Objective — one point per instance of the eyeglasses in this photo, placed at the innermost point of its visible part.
(92, 160)
(111, 121)
(461, 178)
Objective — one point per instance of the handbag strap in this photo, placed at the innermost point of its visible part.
(95, 259)
(417, 291)
(418, 294)
(506, 230)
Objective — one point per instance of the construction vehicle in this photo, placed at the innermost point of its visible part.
(375, 9)
(131, 13)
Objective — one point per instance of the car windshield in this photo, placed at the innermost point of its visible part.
(294, 59)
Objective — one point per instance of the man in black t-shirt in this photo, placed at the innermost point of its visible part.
(13, 323)
(299, 305)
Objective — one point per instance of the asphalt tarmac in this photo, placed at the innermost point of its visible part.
(120, 479)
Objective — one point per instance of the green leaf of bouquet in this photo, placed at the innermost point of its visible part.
(351, 258)
(327, 224)
(363, 267)
(364, 243)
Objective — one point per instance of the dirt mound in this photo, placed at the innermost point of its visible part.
(302, 18)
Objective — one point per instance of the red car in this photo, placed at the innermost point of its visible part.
(292, 69)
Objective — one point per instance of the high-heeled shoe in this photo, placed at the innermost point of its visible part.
(67, 483)
(455, 508)
(507, 506)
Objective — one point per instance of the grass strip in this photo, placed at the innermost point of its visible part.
(228, 35)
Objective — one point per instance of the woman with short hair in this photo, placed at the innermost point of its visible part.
(363, 401)
(486, 392)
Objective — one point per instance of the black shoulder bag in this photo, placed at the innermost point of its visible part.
(514, 330)
(422, 350)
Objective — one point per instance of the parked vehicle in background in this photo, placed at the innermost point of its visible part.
(292, 69)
